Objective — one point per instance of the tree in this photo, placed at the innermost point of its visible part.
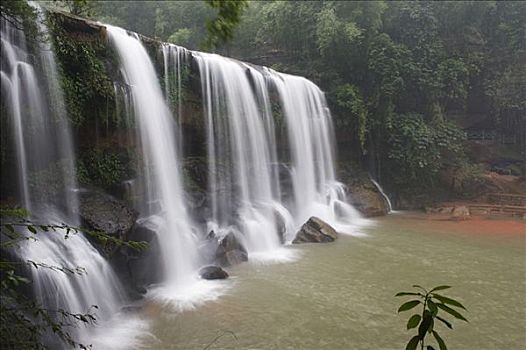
(221, 28)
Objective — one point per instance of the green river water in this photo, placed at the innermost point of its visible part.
(341, 295)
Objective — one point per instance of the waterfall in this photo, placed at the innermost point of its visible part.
(381, 190)
(157, 130)
(310, 140)
(174, 59)
(244, 186)
(47, 187)
(243, 181)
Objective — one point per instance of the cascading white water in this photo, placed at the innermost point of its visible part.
(174, 59)
(310, 137)
(43, 144)
(243, 188)
(381, 190)
(157, 131)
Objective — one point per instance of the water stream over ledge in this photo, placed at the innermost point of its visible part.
(342, 295)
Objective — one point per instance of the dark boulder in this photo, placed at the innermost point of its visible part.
(101, 212)
(213, 273)
(368, 200)
(281, 227)
(144, 266)
(230, 251)
(361, 192)
(315, 230)
(137, 269)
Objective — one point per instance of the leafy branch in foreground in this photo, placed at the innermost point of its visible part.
(432, 303)
(21, 229)
(23, 322)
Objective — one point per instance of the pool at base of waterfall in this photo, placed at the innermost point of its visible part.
(341, 295)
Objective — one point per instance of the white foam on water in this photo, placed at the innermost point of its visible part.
(190, 295)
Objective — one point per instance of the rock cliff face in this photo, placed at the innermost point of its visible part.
(368, 200)
(361, 192)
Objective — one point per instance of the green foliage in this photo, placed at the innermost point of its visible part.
(332, 33)
(432, 303)
(87, 87)
(103, 167)
(23, 322)
(446, 61)
(181, 37)
(76, 7)
(221, 29)
(419, 150)
(454, 76)
(193, 23)
(18, 13)
(350, 100)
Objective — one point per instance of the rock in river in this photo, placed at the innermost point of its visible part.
(230, 251)
(315, 230)
(213, 272)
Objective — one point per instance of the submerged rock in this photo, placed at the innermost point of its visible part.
(315, 230)
(213, 272)
(230, 251)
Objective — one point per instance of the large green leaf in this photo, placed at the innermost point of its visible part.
(432, 306)
(424, 326)
(452, 312)
(418, 286)
(406, 293)
(440, 341)
(409, 305)
(439, 288)
(446, 322)
(413, 321)
(431, 326)
(413, 343)
(447, 300)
